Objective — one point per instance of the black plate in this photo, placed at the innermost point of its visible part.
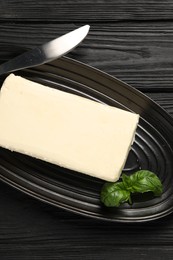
(78, 193)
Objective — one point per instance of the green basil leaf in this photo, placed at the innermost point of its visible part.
(114, 194)
(128, 182)
(143, 181)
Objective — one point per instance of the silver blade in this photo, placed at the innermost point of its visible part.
(47, 52)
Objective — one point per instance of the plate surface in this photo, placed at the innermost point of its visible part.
(76, 192)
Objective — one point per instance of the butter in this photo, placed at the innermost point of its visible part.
(65, 129)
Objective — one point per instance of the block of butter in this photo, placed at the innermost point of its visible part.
(65, 129)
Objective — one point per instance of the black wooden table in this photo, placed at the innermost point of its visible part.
(131, 40)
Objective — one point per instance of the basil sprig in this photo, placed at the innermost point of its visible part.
(114, 194)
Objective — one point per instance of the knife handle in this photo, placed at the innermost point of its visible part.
(28, 59)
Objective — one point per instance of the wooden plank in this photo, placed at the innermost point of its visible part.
(45, 220)
(165, 100)
(85, 10)
(140, 54)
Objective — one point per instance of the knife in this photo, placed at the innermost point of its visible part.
(47, 52)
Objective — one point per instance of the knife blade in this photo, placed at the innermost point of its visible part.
(47, 52)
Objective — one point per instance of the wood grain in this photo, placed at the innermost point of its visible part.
(85, 10)
(140, 54)
(131, 40)
(31, 228)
